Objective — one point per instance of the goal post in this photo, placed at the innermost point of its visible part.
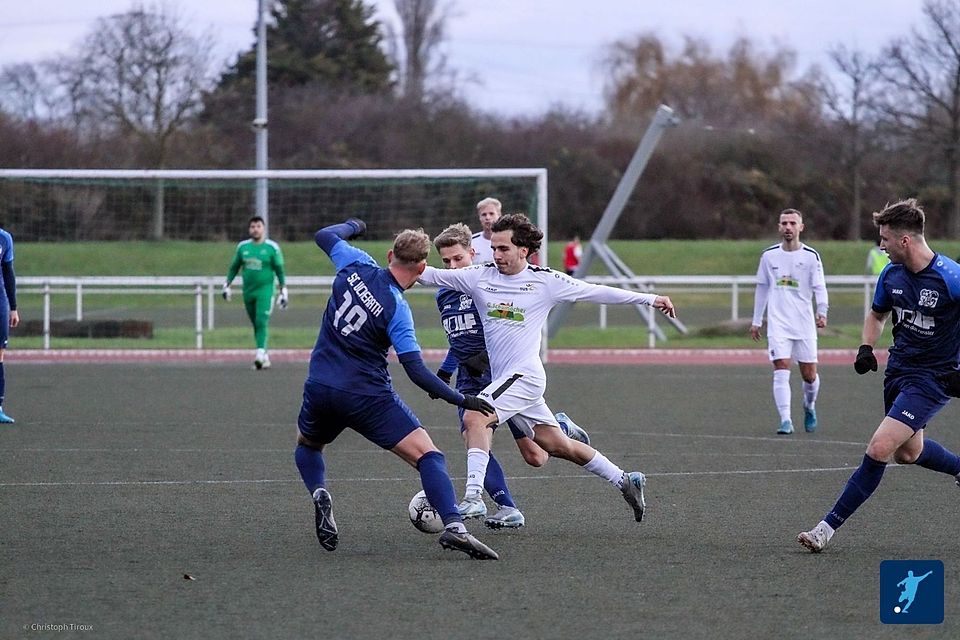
(208, 205)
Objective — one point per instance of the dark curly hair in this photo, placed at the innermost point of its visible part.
(525, 233)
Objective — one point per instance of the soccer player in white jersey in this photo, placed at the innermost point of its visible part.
(789, 276)
(488, 212)
(514, 299)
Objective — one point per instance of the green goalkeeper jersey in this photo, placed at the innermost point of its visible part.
(260, 261)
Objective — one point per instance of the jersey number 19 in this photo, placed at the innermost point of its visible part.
(353, 316)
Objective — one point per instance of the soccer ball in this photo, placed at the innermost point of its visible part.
(423, 516)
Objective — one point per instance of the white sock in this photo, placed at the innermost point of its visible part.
(477, 460)
(261, 353)
(602, 467)
(827, 529)
(781, 392)
(810, 391)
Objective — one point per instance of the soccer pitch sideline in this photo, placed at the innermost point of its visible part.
(162, 501)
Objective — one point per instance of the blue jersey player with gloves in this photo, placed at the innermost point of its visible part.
(348, 384)
(468, 358)
(9, 316)
(921, 289)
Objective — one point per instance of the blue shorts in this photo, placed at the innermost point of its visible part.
(913, 398)
(383, 420)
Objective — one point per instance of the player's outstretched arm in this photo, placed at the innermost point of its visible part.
(328, 237)
(423, 378)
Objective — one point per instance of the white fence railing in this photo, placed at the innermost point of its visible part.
(205, 289)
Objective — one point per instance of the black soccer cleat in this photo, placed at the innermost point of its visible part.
(468, 544)
(326, 526)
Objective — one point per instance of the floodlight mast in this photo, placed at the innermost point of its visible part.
(597, 247)
(260, 121)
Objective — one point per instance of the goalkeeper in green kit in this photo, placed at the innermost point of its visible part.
(260, 259)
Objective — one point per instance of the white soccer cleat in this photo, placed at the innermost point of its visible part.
(472, 507)
(815, 539)
(260, 358)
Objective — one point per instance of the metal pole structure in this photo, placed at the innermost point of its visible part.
(662, 119)
(260, 121)
(198, 313)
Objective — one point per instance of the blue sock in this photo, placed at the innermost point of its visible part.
(495, 484)
(310, 464)
(860, 486)
(934, 457)
(438, 487)
(3, 385)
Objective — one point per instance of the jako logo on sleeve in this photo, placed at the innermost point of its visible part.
(911, 592)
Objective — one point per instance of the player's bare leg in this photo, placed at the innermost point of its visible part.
(558, 445)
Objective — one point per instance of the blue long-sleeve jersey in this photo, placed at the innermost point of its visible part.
(461, 322)
(925, 308)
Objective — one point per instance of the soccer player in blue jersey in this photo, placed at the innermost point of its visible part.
(348, 384)
(9, 316)
(468, 358)
(921, 289)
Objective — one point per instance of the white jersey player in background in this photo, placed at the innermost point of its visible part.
(789, 276)
(488, 212)
(514, 299)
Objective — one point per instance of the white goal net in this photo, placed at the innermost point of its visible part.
(97, 205)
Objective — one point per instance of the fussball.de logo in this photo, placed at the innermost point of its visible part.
(911, 592)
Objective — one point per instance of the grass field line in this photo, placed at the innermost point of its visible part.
(239, 481)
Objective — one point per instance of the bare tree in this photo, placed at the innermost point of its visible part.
(141, 72)
(849, 102)
(922, 96)
(423, 23)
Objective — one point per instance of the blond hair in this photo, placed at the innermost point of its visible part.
(411, 247)
(493, 201)
(455, 234)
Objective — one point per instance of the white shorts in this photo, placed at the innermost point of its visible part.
(519, 398)
(801, 350)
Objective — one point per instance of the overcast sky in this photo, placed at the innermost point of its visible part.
(521, 56)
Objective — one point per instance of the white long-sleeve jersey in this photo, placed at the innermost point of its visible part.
(481, 245)
(513, 309)
(787, 282)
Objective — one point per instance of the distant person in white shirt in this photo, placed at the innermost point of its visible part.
(513, 299)
(790, 275)
(488, 212)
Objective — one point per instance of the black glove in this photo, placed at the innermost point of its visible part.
(477, 364)
(865, 361)
(445, 376)
(951, 383)
(360, 225)
(473, 403)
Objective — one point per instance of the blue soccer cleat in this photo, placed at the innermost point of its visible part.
(4, 418)
(572, 429)
(786, 428)
(505, 518)
(809, 419)
(632, 490)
